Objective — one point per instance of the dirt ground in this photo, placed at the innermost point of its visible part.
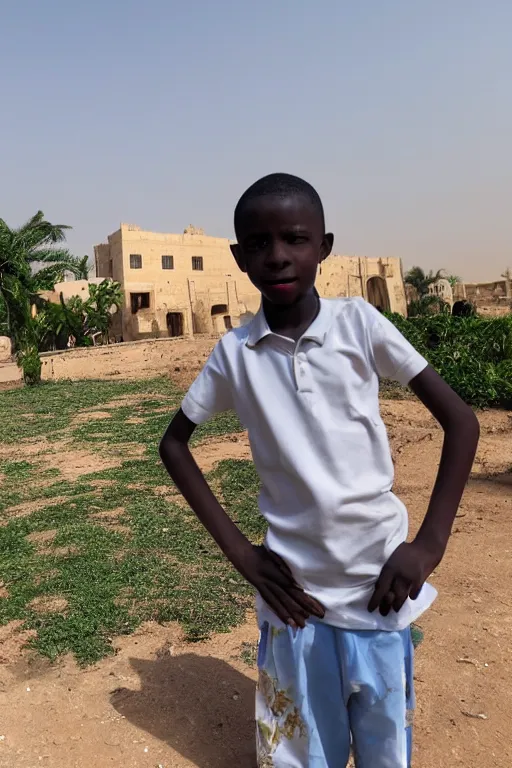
(162, 702)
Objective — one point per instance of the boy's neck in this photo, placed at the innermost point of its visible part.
(292, 321)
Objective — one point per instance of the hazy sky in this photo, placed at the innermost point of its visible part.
(161, 113)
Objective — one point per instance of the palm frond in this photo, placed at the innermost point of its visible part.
(83, 268)
(46, 278)
(50, 256)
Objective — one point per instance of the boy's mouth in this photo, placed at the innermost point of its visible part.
(279, 282)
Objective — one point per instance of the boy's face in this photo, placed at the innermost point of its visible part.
(281, 242)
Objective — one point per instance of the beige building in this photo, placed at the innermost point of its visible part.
(69, 289)
(184, 284)
(487, 294)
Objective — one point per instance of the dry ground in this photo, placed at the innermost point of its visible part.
(163, 702)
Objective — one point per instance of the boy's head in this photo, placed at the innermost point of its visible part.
(280, 229)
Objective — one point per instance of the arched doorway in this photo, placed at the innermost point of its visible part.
(378, 293)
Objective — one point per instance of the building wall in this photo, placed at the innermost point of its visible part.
(484, 294)
(350, 276)
(219, 296)
(70, 288)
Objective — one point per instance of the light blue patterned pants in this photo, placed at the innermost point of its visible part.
(322, 690)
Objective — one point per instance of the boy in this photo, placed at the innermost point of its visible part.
(337, 585)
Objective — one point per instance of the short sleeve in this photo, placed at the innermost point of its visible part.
(211, 392)
(395, 358)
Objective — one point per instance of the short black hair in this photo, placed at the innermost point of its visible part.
(280, 185)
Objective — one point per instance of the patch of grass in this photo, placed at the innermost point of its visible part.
(16, 470)
(151, 560)
(239, 486)
(45, 410)
(416, 635)
(249, 653)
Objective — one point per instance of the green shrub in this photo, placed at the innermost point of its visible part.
(30, 363)
(473, 354)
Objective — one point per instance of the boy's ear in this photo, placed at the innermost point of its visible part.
(326, 247)
(238, 256)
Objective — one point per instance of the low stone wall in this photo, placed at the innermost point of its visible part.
(180, 358)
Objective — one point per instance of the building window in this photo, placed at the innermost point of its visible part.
(135, 261)
(167, 262)
(139, 301)
(197, 263)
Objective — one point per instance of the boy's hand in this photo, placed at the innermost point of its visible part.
(403, 576)
(270, 575)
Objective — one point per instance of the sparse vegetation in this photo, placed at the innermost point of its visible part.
(115, 546)
(249, 653)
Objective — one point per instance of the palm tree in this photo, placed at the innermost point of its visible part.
(104, 300)
(453, 280)
(421, 281)
(83, 270)
(30, 260)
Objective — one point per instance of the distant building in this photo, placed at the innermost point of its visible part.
(69, 289)
(443, 290)
(185, 284)
(487, 294)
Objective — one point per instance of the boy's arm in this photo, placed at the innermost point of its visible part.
(265, 570)
(411, 564)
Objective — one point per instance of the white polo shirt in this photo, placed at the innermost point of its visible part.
(320, 447)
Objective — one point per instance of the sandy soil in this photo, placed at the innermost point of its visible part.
(162, 702)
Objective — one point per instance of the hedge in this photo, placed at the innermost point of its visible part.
(473, 354)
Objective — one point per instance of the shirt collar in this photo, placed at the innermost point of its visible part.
(258, 327)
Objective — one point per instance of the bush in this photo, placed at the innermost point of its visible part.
(30, 363)
(472, 354)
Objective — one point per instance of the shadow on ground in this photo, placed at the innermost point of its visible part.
(499, 478)
(200, 706)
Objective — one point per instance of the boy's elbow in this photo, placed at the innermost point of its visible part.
(175, 439)
(168, 449)
(162, 448)
(467, 425)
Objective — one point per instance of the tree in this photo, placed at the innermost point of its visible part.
(30, 260)
(83, 320)
(83, 268)
(453, 280)
(56, 322)
(421, 281)
(104, 299)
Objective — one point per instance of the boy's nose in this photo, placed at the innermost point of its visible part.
(277, 256)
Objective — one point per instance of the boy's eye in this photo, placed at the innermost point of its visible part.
(256, 243)
(296, 239)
